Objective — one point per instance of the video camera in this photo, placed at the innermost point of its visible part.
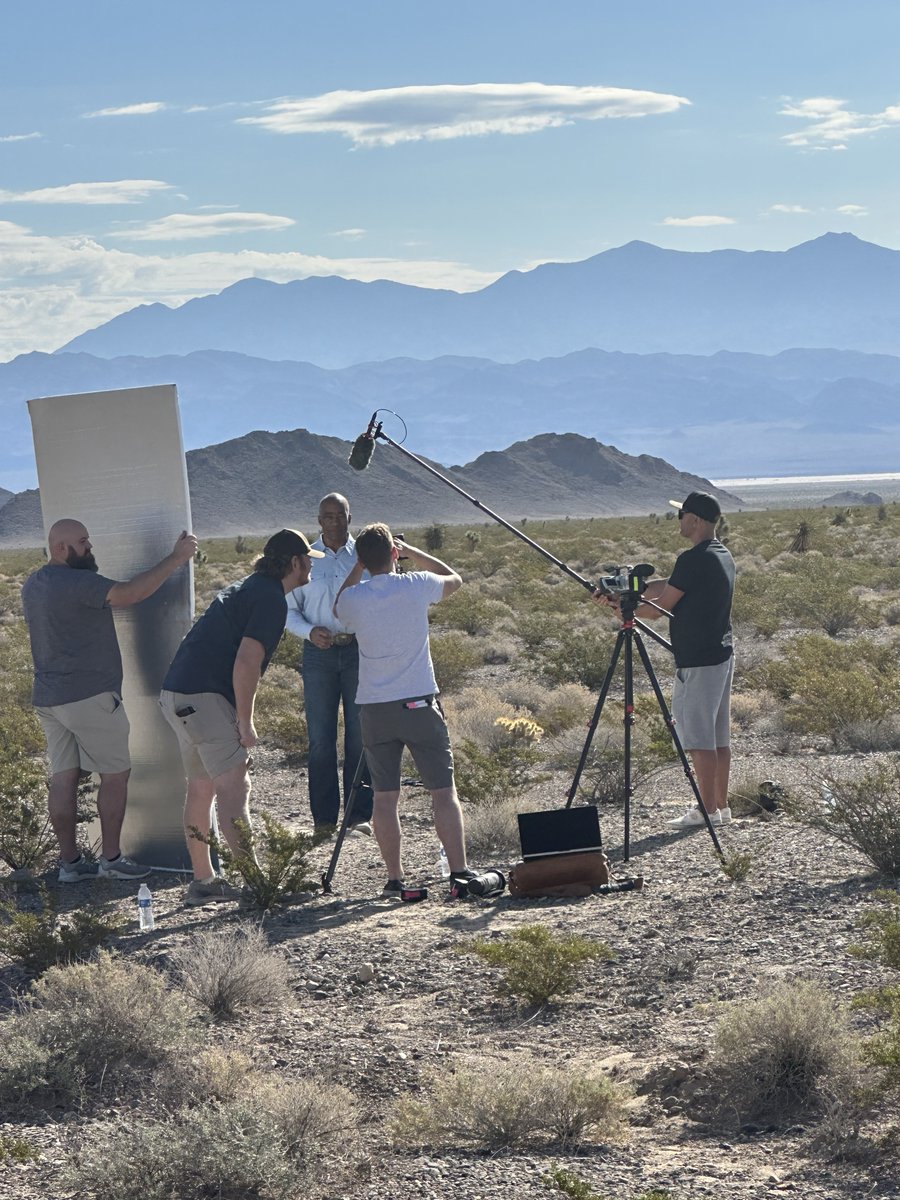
(625, 580)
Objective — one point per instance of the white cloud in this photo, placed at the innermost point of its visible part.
(787, 208)
(20, 137)
(699, 222)
(352, 235)
(387, 116)
(831, 124)
(119, 191)
(852, 210)
(130, 110)
(54, 288)
(180, 227)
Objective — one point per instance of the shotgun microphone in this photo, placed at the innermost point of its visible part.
(363, 447)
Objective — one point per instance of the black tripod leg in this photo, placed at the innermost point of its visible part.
(342, 832)
(595, 719)
(629, 725)
(676, 740)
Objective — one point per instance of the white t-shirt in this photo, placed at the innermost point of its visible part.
(389, 615)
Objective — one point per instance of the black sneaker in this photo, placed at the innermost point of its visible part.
(392, 889)
(459, 881)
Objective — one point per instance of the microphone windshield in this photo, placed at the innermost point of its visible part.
(361, 454)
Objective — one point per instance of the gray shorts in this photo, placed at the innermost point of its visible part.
(90, 734)
(205, 724)
(388, 728)
(701, 705)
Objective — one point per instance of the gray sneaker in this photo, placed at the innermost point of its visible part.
(209, 893)
(122, 868)
(77, 871)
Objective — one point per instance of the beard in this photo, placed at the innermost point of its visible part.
(81, 562)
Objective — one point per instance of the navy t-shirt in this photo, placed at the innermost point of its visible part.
(204, 662)
(700, 628)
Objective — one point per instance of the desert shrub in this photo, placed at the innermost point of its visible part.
(538, 965)
(470, 611)
(785, 1054)
(492, 830)
(510, 1105)
(434, 537)
(454, 659)
(43, 939)
(273, 867)
(737, 865)
(279, 713)
(576, 656)
(231, 969)
(96, 1026)
(882, 928)
(16, 1149)
(313, 1117)
(750, 795)
(862, 811)
(472, 714)
(873, 735)
(746, 707)
(568, 706)
(827, 686)
(26, 836)
(484, 776)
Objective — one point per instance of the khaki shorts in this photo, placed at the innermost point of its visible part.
(701, 705)
(388, 728)
(90, 734)
(205, 724)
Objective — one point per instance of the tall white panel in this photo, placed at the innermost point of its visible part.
(115, 461)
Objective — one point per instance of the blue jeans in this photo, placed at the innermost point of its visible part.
(330, 679)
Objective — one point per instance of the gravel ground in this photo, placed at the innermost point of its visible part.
(687, 943)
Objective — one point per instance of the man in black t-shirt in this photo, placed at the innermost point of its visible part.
(209, 692)
(698, 594)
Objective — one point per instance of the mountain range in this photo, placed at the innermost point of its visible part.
(836, 291)
(265, 480)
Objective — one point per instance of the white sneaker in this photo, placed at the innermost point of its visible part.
(692, 818)
(724, 815)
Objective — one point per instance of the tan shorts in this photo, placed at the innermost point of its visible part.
(90, 734)
(207, 731)
(387, 728)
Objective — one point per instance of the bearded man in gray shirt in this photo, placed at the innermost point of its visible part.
(78, 686)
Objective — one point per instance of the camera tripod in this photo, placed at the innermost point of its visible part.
(629, 637)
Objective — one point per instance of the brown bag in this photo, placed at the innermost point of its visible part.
(560, 875)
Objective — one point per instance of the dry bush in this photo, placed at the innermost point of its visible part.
(873, 735)
(96, 1026)
(273, 1143)
(747, 707)
(472, 715)
(555, 709)
(454, 660)
(510, 1105)
(279, 710)
(231, 969)
(860, 810)
(783, 1055)
(492, 830)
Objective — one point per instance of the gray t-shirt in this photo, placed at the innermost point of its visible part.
(73, 637)
(389, 615)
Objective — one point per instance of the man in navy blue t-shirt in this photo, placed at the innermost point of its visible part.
(209, 693)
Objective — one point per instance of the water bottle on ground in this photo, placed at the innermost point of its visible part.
(145, 908)
(443, 864)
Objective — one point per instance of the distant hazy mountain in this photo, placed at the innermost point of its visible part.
(264, 480)
(728, 414)
(836, 291)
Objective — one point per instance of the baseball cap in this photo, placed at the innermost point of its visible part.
(287, 542)
(701, 504)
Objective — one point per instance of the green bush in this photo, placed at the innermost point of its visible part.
(487, 775)
(784, 1055)
(538, 965)
(40, 940)
(454, 658)
(26, 836)
(273, 867)
(862, 811)
(16, 1150)
(576, 656)
(470, 612)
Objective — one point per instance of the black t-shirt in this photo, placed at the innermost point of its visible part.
(204, 662)
(700, 628)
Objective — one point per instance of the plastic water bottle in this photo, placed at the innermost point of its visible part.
(145, 908)
(443, 864)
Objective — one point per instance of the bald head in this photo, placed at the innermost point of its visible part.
(69, 544)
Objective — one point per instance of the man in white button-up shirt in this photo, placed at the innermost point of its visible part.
(330, 671)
